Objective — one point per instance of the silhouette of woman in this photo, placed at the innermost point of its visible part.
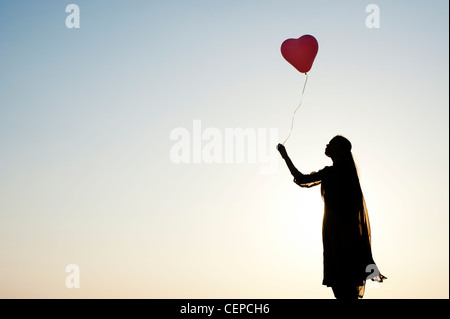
(347, 253)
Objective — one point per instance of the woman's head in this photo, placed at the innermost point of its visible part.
(338, 148)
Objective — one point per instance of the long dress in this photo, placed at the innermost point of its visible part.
(347, 254)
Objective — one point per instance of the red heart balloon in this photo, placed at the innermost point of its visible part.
(300, 52)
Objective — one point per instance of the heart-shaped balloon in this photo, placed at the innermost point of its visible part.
(300, 52)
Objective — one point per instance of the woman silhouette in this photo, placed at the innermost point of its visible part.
(347, 254)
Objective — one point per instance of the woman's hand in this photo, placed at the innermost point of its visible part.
(290, 165)
(282, 150)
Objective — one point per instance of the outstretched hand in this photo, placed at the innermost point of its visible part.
(282, 150)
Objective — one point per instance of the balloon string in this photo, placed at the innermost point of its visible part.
(293, 115)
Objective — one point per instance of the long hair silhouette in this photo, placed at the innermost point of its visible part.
(346, 235)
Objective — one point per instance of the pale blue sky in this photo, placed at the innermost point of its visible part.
(85, 119)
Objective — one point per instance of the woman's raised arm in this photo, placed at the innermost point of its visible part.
(300, 179)
(294, 171)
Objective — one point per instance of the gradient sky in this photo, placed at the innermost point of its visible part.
(86, 176)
